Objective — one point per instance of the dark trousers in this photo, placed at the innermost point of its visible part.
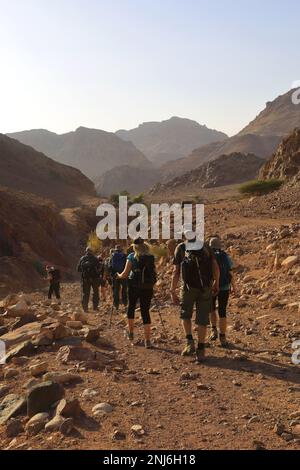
(145, 297)
(87, 285)
(54, 288)
(222, 298)
(117, 286)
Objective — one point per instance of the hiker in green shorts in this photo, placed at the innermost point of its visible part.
(200, 273)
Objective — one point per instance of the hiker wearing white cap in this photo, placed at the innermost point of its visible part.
(197, 265)
(227, 284)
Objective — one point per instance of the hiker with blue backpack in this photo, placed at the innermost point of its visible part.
(119, 286)
(227, 284)
(141, 274)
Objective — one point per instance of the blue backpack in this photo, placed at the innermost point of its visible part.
(118, 262)
(225, 269)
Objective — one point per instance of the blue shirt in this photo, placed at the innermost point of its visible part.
(134, 262)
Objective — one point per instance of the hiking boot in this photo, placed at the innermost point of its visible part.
(214, 334)
(200, 355)
(96, 309)
(223, 341)
(129, 335)
(148, 344)
(189, 350)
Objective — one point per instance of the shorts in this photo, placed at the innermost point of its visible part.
(202, 298)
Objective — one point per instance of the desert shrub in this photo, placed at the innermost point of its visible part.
(94, 243)
(259, 187)
(159, 251)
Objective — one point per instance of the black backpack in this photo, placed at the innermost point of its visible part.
(144, 273)
(54, 275)
(89, 267)
(197, 269)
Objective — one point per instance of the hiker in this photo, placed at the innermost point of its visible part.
(227, 283)
(54, 277)
(141, 274)
(102, 280)
(119, 286)
(88, 266)
(200, 273)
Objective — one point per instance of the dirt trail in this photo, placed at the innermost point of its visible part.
(233, 401)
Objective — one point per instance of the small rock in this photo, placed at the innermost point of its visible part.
(69, 408)
(102, 408)
(137, 430)
(118, 435)
(75, 325)
(37, 423)
(38, 369)
(14, 428)
(4, 389)
(11, 373)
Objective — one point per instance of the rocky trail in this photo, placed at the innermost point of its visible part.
(73, 382)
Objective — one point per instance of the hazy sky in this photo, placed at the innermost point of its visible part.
(113, 64)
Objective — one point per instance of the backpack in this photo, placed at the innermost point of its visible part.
(118, 262)
(89, 267)
(225, 274)
(54, 275)
(144, 273)
(197, 269)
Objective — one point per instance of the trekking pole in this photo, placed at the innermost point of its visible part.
(111, 315)
(160, 317)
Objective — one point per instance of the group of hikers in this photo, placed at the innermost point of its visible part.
(205, 271)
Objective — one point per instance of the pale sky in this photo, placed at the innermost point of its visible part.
(112, 64)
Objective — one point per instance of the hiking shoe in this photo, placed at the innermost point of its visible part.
(148, 344)
(200, 355)
(223, 341)
(189, 350)
(129, 335)
(214, 334)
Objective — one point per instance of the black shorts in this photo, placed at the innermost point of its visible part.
(222, 298)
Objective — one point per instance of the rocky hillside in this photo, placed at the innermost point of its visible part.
(279, 117)
(133, 180)
(171, 139)
(261, 137)
(225, 170)
(90, 150)
(24, 169)
(246, 144)
(285, 163)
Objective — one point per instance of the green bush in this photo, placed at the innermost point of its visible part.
(259, 187)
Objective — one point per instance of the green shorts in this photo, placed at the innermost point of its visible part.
(203, 301)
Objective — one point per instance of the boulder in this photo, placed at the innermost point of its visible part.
(28, 317)
(25, 348)
(17, 310)
(12, 405)
(42, 396)
(24, 333)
